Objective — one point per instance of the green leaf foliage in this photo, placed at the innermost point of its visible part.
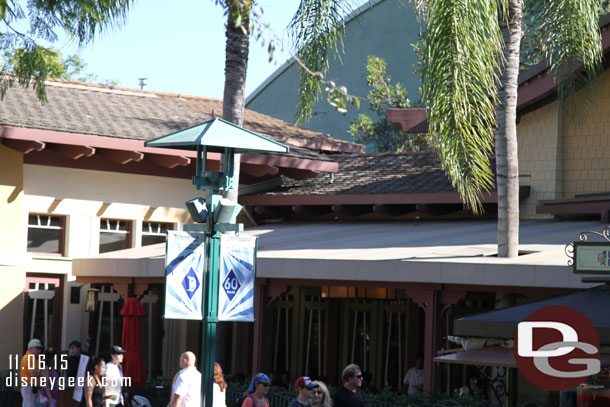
(459, 66)
(573, 41)
(34, 63)
(376, 130)
(316, 31)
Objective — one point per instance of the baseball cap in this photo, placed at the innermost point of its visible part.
(305, 382)
(258, 378)
(117, 350)
(34, 343)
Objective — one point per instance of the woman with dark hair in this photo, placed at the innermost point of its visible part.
(219, 395)
(94, 391)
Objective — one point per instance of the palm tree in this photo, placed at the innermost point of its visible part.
(470, 67)
(469, 59)
(236, 66)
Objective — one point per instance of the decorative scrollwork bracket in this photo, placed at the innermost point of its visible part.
(583, 236)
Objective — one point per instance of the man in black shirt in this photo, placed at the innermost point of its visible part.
(350, 395)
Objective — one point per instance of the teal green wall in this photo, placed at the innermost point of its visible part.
(387, 29)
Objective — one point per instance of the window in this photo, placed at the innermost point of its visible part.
(154, 232)
(46, 234)
(114, 235)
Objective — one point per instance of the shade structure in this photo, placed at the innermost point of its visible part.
(491, 356)
(216, 135)
(593, 303)
(133, 365)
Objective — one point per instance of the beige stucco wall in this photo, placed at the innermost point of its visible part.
(85, 196)
(538, 152)
(12, 253)
(587, 144)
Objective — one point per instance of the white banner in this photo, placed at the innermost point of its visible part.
(236, 279)
(81, 372)
(184, 262)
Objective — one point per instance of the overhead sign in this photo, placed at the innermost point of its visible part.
(184, 261)
(591, 258)
(236, 279)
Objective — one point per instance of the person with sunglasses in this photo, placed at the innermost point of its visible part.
(304, 386)
(320, 396)
(259, 387)
(350, 394)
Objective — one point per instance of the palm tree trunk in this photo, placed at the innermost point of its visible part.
(236, 65)
(507, 165)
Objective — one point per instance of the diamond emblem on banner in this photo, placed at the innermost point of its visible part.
(231, 285)
(190, 283)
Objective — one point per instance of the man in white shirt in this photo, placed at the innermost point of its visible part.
(186, 390)
(414, 379)
(114, 378)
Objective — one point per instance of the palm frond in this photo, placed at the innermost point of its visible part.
(462, 47)
(573, 45)
(316, 33)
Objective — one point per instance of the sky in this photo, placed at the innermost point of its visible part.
(180, 47)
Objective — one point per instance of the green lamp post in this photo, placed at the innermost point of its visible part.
(215, 213)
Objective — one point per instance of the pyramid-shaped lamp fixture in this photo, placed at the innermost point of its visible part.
(218, 136)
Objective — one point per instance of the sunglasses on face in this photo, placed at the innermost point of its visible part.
(359, 376)
(318, 392)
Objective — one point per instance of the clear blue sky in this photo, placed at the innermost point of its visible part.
(179, 46)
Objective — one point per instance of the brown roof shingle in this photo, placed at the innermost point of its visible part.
(384, 173)
(82, 108)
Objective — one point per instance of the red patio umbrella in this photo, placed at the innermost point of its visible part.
(133, 365)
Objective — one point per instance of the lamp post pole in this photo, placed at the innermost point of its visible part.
(210, 319)
(227, 139)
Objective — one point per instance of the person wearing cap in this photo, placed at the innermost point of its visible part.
(114, 377)
(259, 387)
(186, 389)
(29, 372)
(304, 386)
(350, 394)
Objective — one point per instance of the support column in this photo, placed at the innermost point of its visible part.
(258, 326)
(427, 299)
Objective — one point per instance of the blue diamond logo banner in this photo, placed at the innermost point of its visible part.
(184, 260)
(231, 285)
(237, 278)
(190, 283)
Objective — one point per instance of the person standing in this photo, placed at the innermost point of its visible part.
(186, 390)
(220, 385)
(350, 394)
(114, 377)
(28, 370)
(49, 392)
(320, 396)
(259, 387)
(304, 386)
(94, 389)
(69, 371)
(414, 379)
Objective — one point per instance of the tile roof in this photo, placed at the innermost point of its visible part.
(82, 108)
(384, 173)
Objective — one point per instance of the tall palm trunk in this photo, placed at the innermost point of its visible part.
(236, 64)
(507, 165)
